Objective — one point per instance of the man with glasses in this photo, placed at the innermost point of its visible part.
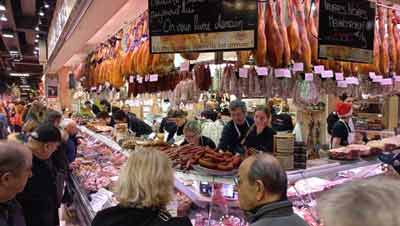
(41, 195)
(236, 130)
(262, 188)
(15, 170)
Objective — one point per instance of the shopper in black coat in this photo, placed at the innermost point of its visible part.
(139, 204)
(41, 196)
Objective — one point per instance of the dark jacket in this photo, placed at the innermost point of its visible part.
(276, 214)
(71, 148)
(263, 142)
(39, 199)
(230, 138)
(11, 214)
(125, 216)
(138, 126)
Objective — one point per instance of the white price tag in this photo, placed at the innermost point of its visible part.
(386, 82)
(139, 79)
(396, 78)
(131, 79)
(185, 66)
(243, 72)
(339, 76)
(298, 67)
(309, 77)
(154, 78)
(352, 80)
(327, 74)
(342, 84)
(282, 73)
(372, 75)
(262, 71)
(319, 69)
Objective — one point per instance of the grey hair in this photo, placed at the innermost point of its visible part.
(193, 126)
(368, 202)
(233, 105)
(12, 157)
(52, 116)
(267, 169)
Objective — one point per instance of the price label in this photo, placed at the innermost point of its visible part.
(139, 79)
(352, 80)
(327, 74)
(342, 84)
(378, 77)
(372, 75)
(282, 73)
(185, 66)
(377, 80)
(298, 67)
(146, 78)
(386, 82)
(131, 79)
(319, 69)
(339, 76)
(396, 78)
(154, 78)
(262, 71)
(309, 77)
(243, 72)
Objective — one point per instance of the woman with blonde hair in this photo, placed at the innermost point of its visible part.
(144, 189)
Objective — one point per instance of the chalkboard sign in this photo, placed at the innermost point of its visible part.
(346, 30)
(202, 25)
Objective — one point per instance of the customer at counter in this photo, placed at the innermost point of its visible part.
(192, 132)
(342, 135)
(262, 187)
(144, 190)
(261, 136)
(235, 131)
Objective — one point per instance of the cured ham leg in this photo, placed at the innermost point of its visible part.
(312, 32)
(260, 53)
(282, 28)
(305, 44)
(293, 34)
(274, 37)
(392, 43)
(377, 55)
(383, 49)
(396, 36)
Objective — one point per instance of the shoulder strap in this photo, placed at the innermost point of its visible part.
(247, 134)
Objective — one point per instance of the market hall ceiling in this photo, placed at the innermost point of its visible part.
(23, 23)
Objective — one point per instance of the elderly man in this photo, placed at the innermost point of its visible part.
(235, 132)
(262, 185)
(15, 169)
(71, 129)
(42, 194)
(369, 202)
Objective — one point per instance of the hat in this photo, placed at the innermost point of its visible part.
(344, 110)
(46, 133)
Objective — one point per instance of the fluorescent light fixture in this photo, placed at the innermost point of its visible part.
(35, 52)
(26, 86)
(2, 6)
(36, 48)
(20, 74)
(8, 35)
(3, 18)
(41, 13)
(37, 28)
(46, 5)
(36, 40)
(37, 36)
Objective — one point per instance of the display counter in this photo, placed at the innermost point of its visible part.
(190, 183)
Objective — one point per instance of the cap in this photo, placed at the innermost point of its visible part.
(46, 133)
(343, 109)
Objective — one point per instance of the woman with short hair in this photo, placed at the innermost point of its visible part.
(192, 133)
(144, 189)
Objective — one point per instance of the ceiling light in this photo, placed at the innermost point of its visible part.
(13, 52)
(35, 52)
(46, 5)
(8, 35)
(36, 40)
(41, 13)
(3, 18)
(2, 6)
(20, 74)
(37, 28)
(37, 36)
(36, 48)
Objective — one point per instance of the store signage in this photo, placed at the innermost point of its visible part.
(309, 77)
(339, 76)
(202, 25)
(243, 72)
(298, 67)
(262, 71)
(52, 87)
(348, 31)
(327, 74)
(319, 69)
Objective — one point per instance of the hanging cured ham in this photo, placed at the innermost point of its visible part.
(275, 50)
(283, 30)
(305, 44)
(392, 43)
(383, 49)
(396, 36)
(260, 54)
(293, 34)
(311, 31)
(190, 56)
(377, 55)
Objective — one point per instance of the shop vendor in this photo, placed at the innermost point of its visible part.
(342, 134)
(180, 120)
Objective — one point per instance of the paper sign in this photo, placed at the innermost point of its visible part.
(131, 79)
(309, 77)
(378, 77)
(386, 82)
(185, 66)
(139, 79)
(243, 72)
(396, 78)
(339, 76)
(372, 75)
(262, 71)
(319, 69)
(352, 80)
(298, 67)
(327, 74)
(377, 80)
(154, 78)
(342, 84)
(146, 78)
(282, 73)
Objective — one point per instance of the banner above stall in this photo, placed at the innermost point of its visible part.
(347, 30)
(202, 25)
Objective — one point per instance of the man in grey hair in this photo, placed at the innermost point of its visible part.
(235, 131)
(15, 170)
(262, 187)
(367, 202)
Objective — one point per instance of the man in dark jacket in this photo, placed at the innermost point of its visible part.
(15, 169)
(262, 187)
(236, 130)
(41, 196)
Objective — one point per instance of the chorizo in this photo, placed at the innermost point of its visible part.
(207, 164)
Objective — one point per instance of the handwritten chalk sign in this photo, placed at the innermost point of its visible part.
(202, 25)
(347, 33)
